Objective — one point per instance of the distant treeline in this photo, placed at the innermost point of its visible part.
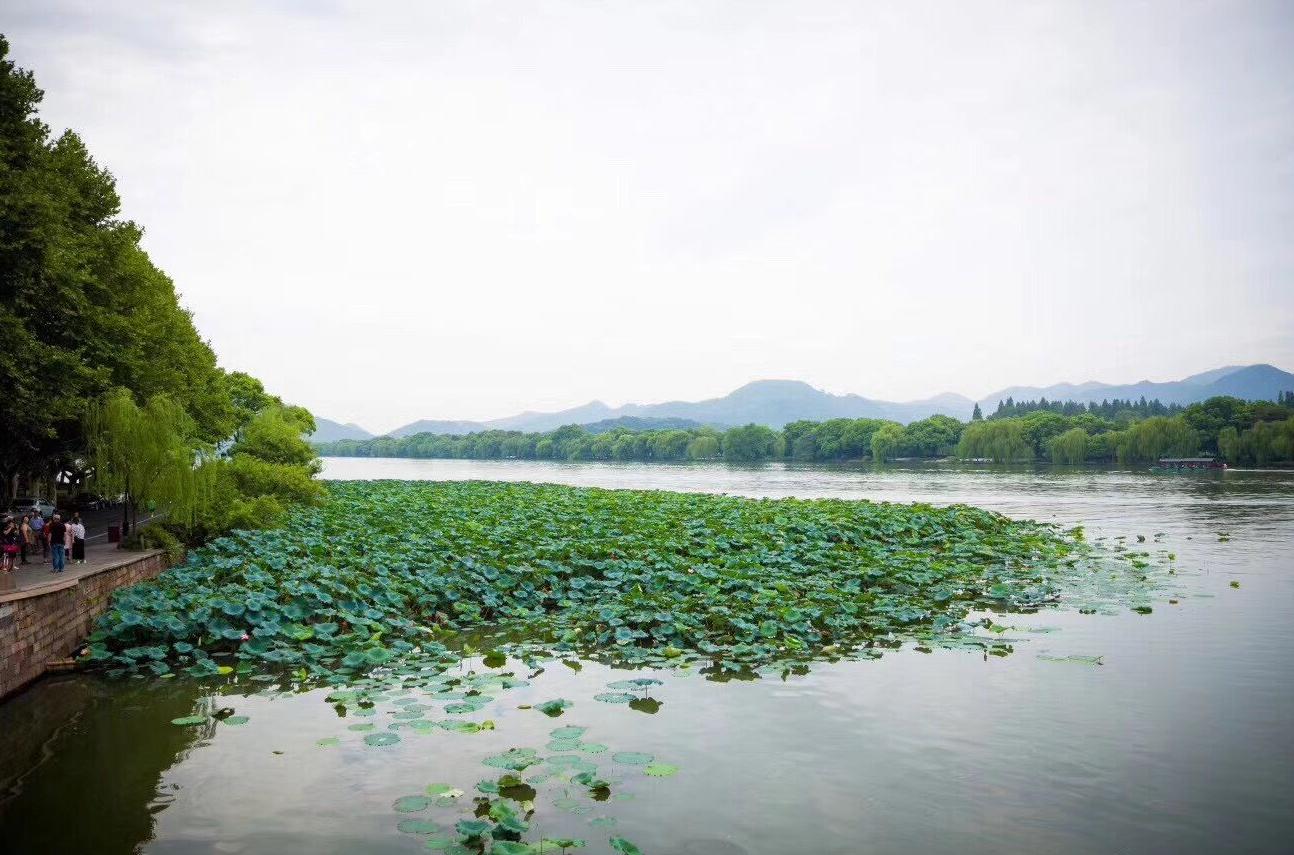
(1234, 430)
(1115, 409)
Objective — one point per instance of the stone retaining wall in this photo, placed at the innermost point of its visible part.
(48, 623)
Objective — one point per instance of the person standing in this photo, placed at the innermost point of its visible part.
(8, 544)
(28, 540)
(56, 532)
(78, 539)
(38, 532)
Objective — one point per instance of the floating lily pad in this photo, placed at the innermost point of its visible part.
(328, 742)
(236, 720)
(615, 698)
(361, 727)
(411, 804)
(568, 732)
(554, 707)
(592, 747)
(1078, 660)
(417, 826)
(660, 770)
(515, 759)
(636, 683)
(632, 758)
(461, 707)
(189, 720)
(624, 846)
(381, 739)
(563, 745)
(444, 791)
(603, 822)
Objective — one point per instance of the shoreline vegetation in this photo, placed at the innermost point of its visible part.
(108, 386)
(1259, 433)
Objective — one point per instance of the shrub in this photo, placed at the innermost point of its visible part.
(154, 536)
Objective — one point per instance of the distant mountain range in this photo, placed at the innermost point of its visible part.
(1251, 382)
(327, 430)
(776, 402)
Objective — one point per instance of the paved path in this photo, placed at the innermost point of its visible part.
(38, 577)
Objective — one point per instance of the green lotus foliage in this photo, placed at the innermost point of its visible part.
(644, 577)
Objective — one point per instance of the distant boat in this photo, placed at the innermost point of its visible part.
(1187, 464)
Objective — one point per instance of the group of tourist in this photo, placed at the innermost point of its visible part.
(56, 540)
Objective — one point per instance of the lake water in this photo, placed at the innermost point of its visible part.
(1181, 741)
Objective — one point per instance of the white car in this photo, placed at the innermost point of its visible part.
(32, 505)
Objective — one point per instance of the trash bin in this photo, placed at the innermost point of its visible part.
(114, 534)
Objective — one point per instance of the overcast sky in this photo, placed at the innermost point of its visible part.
(392, 211)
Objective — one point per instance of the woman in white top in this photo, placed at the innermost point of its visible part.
(76, 531)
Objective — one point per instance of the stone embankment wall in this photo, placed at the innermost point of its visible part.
(45, 624)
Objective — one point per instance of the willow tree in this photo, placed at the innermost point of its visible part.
(1070, 447)
(145, 453)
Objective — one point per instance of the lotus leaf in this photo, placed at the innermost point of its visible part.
(615, 698)
(554, 707)
(443, 790)
(471, 827)
(412, 804)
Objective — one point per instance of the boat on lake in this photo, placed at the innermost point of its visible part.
(1187, 464)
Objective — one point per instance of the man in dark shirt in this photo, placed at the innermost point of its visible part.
(55, 531)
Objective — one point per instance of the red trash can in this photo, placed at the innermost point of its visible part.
(114, 534)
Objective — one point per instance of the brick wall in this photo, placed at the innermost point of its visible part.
(46, 626)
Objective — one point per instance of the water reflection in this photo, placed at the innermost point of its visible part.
(73, 743)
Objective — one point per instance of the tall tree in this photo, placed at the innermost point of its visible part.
(145, 453)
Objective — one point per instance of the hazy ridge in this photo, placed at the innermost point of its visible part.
(776, 402)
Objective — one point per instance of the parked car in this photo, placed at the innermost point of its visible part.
(88, 502)
(32, 505)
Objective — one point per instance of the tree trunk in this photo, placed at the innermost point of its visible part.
(125, 514)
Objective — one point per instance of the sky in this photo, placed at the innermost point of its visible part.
(393, 211)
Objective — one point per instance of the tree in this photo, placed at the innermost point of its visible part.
(885, 442)
(748, 444)
(84, 306)
(932, 437)
(274, 435)
(704, 447)
(145, 453)
(1157, 436)
(1001, 440)
(977, 415)
(1229, 444)
(1069, 447)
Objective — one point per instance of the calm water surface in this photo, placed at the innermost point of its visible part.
(1182, 741)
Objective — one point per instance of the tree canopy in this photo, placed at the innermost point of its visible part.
(85, 309)
(102, 370)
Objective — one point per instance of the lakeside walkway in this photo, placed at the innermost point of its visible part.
(36, 577)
